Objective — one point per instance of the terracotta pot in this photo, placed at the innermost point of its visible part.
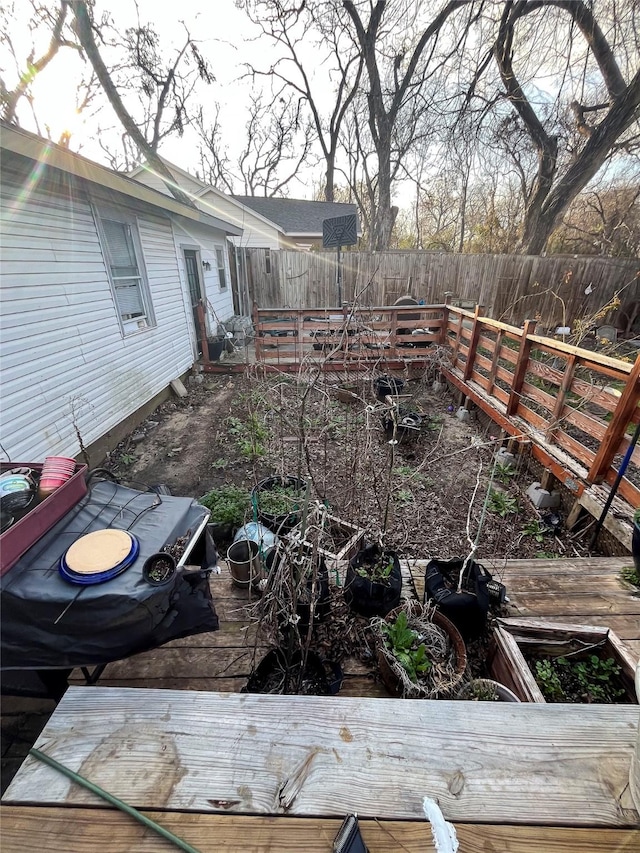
(391, 680)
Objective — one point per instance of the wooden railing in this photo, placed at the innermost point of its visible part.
(348, 336)
(578, 406)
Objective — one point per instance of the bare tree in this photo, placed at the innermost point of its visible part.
(295, 27)
(162, 84)
(54, 19)
(215, 164)
(401, 87)
(278, 143)
(601, 122)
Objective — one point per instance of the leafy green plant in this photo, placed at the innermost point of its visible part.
(378, 572)
(502, 503)
(228, 505)
(280, 500)
(636, 516)
(549, 681)
(504, 472)
(547, 555)
(631, 575)
(592, 679)
(404, 644)
(220, 463)
(249, 436)
(535, 528)
(404, 496)
(127, 459)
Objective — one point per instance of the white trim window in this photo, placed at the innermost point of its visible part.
(222, 269)
(125, 264)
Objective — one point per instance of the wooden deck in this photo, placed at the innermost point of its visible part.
(530, 782)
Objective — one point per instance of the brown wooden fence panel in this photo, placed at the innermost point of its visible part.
(511, 287)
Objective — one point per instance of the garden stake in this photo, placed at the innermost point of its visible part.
(614, 488)
(120, 804)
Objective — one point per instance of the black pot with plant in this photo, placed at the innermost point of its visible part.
(230, 506)
(300, 673)
(464, 600)
(159, 568)
(374, 581)
(278, 501)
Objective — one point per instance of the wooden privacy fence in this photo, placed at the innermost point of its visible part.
(577, 407)
(511, 287)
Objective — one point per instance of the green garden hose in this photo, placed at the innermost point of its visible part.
(120, 804)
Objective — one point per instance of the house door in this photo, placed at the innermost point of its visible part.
(194, 281)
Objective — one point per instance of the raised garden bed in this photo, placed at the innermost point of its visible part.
(519, 642)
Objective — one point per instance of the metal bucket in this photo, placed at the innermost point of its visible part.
(244, 562)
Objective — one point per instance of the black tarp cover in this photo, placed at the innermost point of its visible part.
(48, 622)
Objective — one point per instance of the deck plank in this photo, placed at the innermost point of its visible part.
(31, 829)
(308, 756)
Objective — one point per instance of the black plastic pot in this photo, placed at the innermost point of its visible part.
(385, 385)
(635, 544)
(367, 597)
(278, 523)
(161, 559)
(323, 595)
(270, 676)
(467, 609)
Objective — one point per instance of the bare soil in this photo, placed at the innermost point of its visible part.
(414, 490)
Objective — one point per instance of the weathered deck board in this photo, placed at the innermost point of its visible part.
(29, 829)
(525, 764)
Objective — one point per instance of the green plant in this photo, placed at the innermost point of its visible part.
(504, 471)
(631, 575)
(228, 505)
(404, 496)
(127, 459)
(636, 516)
(404, 644)
(280, 500)
(502, 503)
(547, 555)
(378, 572)
(249, 435)
(536, 529)
(220, 463)
(480, 691)
(549, 681)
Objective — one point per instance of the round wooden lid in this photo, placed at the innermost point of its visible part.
(98, 552)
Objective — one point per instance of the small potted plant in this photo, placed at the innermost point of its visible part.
(374, 581)
(421, 654)
(159, 568)
(278, 501)
(229, 507)
(486, 690)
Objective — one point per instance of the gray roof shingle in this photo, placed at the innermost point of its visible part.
(297, 216)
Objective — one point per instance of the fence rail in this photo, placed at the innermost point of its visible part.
(511, 287)
(577, 407)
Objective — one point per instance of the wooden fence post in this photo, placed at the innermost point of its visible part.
(617, 427)
(257, 338)
(567, 379)
(202, 328)
(445, 325)
(473, 343)
(521, 367)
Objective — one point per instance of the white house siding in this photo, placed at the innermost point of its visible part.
(191, 235)
(189, 185)
(63, 352)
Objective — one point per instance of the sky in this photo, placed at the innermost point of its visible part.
(226, 37)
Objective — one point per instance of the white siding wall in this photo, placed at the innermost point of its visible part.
(191, 235)
(61, 343)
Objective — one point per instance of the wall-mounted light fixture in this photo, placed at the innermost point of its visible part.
(206, 265)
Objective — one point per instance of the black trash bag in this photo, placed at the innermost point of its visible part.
(368, 597)
(467, 609)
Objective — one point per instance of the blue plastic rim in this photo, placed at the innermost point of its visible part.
(88, 580)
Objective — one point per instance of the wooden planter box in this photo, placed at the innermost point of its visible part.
(513, 636)
(348, 539)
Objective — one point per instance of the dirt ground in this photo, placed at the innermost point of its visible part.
(414, 490)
